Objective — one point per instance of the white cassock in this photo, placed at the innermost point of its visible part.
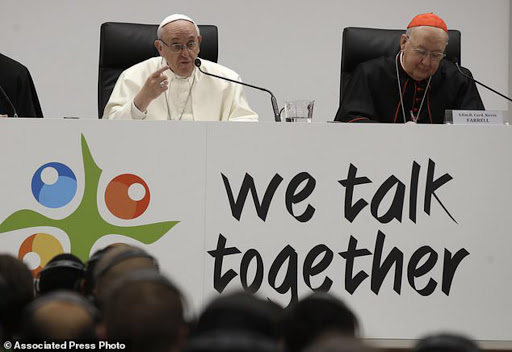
(198, 97)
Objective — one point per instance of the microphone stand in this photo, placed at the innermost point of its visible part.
(456, 63)
(273, 99)
(6, 97)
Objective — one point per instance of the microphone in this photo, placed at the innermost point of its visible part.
(456, 63)
(273, 99)
(9, 101)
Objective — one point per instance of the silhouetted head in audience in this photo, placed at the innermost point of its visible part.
(63, 272)
(4, 291)
(116, 263)
(16, 291)
(313, 316)
(87, 284)
(335, 342)
(237, 322)
(146, 310)
(445, 342)
(59, 315)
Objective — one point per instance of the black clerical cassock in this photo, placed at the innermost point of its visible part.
(17, 83)
(372, 94)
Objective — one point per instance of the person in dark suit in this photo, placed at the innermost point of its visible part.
(18, 95)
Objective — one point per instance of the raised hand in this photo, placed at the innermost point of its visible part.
(155, 85)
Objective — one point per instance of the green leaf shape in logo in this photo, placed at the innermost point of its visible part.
(85, 225)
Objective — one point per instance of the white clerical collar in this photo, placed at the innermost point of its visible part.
(403, 68)
(402, 61)
(174, 76)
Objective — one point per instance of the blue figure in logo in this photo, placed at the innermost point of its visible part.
(59, 193)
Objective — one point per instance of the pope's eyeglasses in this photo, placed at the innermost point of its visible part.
(176, 47)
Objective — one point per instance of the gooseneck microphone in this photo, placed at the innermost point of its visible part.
(456, 63)
(273, 99)
(6, 97)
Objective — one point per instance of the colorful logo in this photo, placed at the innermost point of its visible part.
(54, 185)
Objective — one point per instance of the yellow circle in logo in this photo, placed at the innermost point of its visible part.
(45, 246)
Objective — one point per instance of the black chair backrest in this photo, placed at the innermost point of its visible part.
(123, 45)
(363, 44)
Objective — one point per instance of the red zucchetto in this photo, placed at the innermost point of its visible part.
(428, 19)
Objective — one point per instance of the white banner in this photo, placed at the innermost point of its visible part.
(408, 224)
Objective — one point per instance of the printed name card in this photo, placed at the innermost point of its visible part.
(477, 117)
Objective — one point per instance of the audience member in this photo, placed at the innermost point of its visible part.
(145, 310)
(87, 284)
(16, 291)
(59, 315)
(313, 316)
(237, 322)
(116, 263)
(336, 342)
(63, 272)
(445, 342)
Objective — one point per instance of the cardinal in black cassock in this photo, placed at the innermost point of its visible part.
(16, 82)
(415, 85)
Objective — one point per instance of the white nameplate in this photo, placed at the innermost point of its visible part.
(477, 117)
